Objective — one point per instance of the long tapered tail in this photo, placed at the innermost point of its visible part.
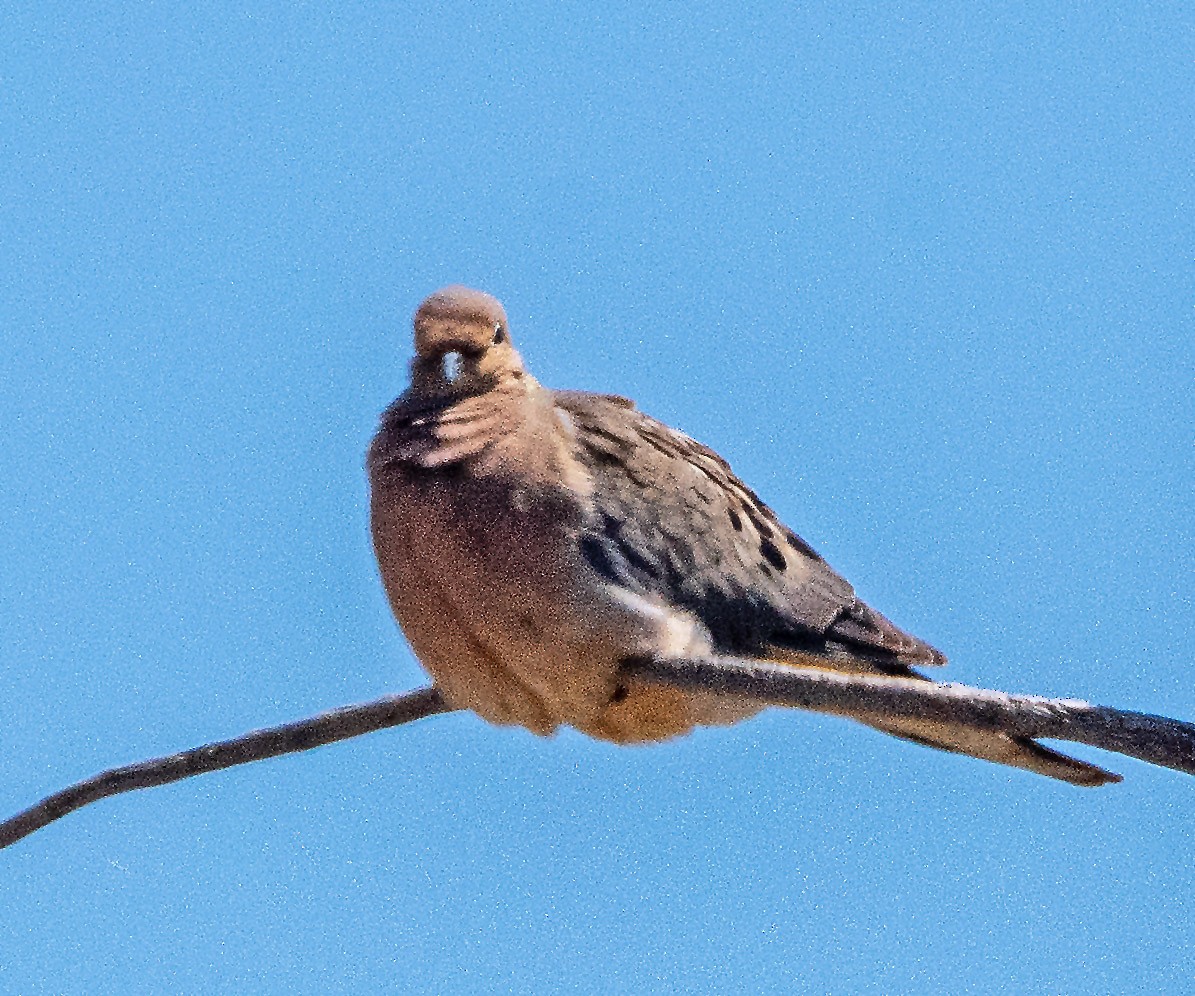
(1018, 752)
(987, 745)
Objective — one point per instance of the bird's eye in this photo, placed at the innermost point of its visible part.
(499, 333)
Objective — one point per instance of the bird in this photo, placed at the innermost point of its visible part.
(531, 540)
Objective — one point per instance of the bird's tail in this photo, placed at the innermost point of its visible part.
(958, 738)
(989, 745)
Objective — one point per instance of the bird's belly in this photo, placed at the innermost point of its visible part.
(512, 623)
(489, 597)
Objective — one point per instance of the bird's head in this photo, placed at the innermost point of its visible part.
(462, 344)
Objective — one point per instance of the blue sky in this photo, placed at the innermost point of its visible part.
(924, 275)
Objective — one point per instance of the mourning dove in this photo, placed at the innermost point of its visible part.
(530, 540)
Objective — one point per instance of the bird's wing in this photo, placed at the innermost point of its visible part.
(671, 519)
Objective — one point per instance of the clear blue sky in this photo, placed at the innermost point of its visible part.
(924, 275)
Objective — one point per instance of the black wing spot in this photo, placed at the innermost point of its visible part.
(620, 694)
(772, 555)
(758, 522)
(603, 457)
(597, 554)
(801, 545)
(640, 563)
(616, 441)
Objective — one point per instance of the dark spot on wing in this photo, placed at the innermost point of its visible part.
(799, 544)
(772, 554)
(757, 520)
(640, 563)
(604, 457)
(601, 556)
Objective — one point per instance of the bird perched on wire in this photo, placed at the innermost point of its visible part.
(530, 540)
